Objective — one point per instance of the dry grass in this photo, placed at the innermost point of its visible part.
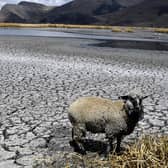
(24, 25)
(149, 152)
(161, 30)
(113, 28)
(129, 29)
(116, 29)
(123, 29)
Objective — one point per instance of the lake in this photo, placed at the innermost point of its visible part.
(107, 38)
(40, 32)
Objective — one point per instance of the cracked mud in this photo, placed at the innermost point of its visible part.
(40, 77)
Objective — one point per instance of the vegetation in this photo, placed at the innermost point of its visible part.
(113, 28)
(123, 29)
(161, 30)
(116, 29)
(149, 151)
(23, 25)
(129, 29)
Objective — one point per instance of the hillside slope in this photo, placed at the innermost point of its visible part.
(102, 12)
(82, 11)
(24, 12)
(148, 13)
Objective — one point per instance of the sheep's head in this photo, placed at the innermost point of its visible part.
(134, 105)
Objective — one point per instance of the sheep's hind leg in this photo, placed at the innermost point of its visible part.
(110, 135)
(118, 148)
(78, 133)
(109, 146)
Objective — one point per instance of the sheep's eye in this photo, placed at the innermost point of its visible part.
(129, 104)
(140, 101)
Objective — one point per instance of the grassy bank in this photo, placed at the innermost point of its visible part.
(161, 30)
(128, 29)
(149, 151)
(20, 25)
(70, 26)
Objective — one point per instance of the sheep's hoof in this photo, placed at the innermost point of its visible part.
(78, 147)
(120, 150)
(81, 149)
(82, 152)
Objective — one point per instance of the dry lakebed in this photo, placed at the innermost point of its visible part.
(40, 75)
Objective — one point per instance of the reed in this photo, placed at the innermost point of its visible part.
(161, 30)
(149, 151)
(127, 29)
(123, 29)
(70, 26)
(21, 25)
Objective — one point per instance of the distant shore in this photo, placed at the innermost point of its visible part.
(72, 26)
(29, 25)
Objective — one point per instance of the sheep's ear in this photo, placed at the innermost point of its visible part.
(145, 97)
(124, 97)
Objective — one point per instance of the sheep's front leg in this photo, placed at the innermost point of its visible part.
(78, 132)
(118, 148)
(109, 146)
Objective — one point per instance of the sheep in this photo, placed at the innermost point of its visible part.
(115, 118)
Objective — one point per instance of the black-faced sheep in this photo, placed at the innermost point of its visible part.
(115, 118)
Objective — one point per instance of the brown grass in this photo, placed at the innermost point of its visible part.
(129, 29)
(116, 29)
(24, 25)
(123, 29)
(161, 30)
(113, 28)
(148, 152)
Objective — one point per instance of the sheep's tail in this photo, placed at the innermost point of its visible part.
(72, 119)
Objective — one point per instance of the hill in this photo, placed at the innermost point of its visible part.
(152, 13)
(102, 12)
(82, 11)
(24, 12)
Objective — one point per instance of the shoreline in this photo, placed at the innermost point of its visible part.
(141, 39)
(114, 28)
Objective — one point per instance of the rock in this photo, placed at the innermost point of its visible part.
(8, 164)
(157, 122)
(37, 143)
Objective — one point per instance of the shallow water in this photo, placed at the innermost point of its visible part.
(33, 32)
(106, 40)
(41, 32)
